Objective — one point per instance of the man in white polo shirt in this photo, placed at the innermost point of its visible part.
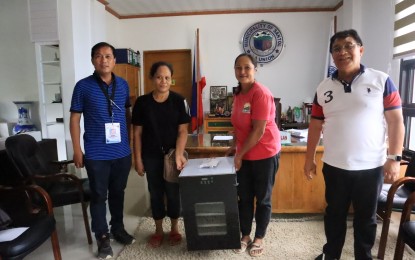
(355, 108)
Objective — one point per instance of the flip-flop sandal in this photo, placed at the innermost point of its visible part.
(155, 240)
(256, 250)
(175, 239)
(244, 246)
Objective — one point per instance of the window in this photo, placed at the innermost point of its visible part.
(406, 90)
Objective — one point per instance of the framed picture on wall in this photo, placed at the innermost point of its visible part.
(218, 107)
(218, 92)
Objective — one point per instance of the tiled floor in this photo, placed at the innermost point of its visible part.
(71, 230)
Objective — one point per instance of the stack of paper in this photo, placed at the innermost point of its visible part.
(222, 137)
(209, 163)
(299, 133)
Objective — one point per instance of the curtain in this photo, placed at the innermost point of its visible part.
(404, 29)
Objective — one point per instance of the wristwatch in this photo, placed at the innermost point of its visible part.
(395, 157)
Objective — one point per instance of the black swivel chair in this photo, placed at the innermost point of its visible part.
(406, 233)
(17, 202)
(393, 197)
(34, 166)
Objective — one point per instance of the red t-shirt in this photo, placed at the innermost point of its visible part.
(257, 104)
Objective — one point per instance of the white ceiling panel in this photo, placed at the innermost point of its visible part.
(160, 7)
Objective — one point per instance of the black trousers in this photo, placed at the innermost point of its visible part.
(107, 179)
(361, 189)
(159, 188)
(255, 181)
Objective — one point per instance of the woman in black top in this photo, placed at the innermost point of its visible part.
(160, 120)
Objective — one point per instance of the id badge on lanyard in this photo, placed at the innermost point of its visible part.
(112, 130)
(112, 133)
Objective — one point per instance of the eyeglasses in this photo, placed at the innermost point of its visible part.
(347, 47)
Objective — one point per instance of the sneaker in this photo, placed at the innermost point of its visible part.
(104, 247)
(123, 237)
(324, 257)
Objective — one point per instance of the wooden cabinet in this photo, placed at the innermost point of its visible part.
(132, 75)
(217, 125)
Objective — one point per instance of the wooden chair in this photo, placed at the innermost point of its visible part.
(18, 203)
(393, 197)
(35, 168)
(406, 234)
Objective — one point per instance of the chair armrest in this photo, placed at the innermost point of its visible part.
(66, 176)
(407, 208)
(28, 189)
(57, 176)
(64, 162)
(62, 165)
(394, 187)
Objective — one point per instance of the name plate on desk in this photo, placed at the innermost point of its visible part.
(285, 137)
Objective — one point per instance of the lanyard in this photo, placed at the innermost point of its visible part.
(109, 99)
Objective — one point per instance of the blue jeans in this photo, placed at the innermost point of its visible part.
(343, 188)
(159, 188)
(107, 179)
(256, 180)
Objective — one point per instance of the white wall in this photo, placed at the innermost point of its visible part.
(18, 78)
(377, 30)
(374, 24)
(292, 77)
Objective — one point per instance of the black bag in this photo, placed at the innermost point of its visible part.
(171, 174)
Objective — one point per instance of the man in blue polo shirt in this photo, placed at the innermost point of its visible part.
(103, 100)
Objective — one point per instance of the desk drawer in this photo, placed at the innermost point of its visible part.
(220, 124)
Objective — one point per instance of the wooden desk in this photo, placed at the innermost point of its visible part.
(201, 146)
(292, 192)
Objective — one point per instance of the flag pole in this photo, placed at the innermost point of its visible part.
(198, 81)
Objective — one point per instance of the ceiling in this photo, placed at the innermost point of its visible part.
(125, 9)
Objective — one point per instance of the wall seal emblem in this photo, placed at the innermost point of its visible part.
(264, 41)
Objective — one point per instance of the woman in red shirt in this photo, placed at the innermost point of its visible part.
(256, 147)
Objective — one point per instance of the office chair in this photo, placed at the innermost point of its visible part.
(34, 166)
(18, 203)
(393, 197)
(406, 234)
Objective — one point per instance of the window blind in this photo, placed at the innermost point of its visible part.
(404, 28)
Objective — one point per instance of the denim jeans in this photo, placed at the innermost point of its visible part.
(159, 188)
(343, 188)
(256, 180)
(107, 179)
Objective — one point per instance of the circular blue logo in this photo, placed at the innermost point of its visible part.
(264, 41)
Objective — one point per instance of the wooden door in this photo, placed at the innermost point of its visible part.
(182, 70)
